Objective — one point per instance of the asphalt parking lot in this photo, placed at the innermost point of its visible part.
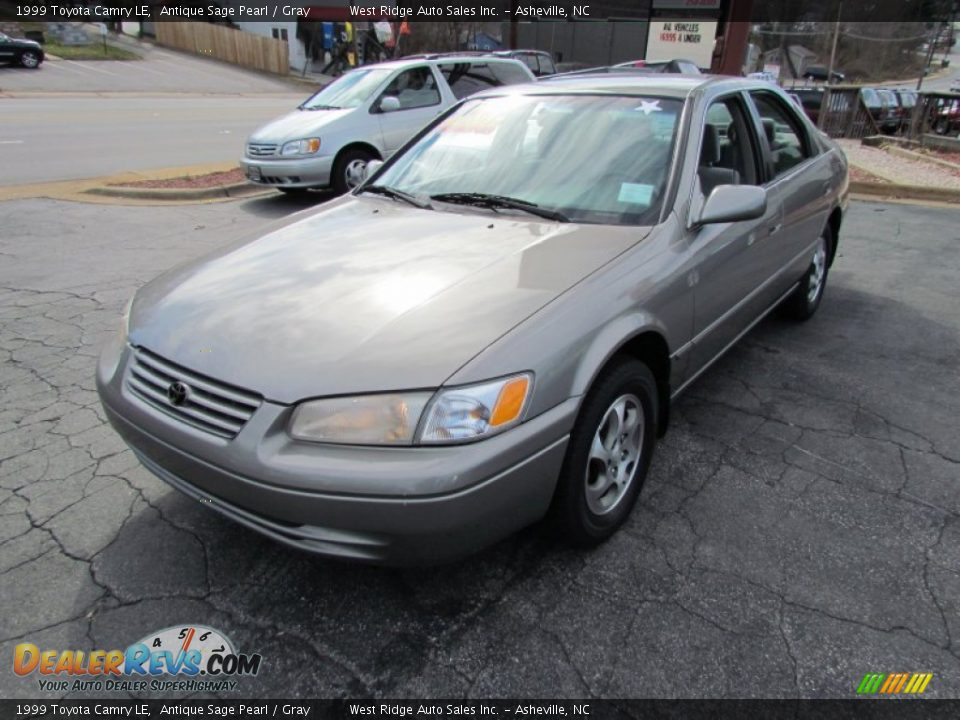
(800, 526)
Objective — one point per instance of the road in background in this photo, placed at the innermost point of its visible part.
(159, 70)
(65, 138)
(943, 82)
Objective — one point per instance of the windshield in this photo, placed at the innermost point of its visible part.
(593, 159)
(348, 91)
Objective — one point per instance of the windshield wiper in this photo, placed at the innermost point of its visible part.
(500, 201)
(390, 192)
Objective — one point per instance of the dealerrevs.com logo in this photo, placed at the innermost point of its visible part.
(189, 658)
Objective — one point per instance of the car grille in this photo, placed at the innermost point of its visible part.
(208, 405)
(261, 150)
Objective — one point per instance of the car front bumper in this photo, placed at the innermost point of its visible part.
(290, 173)
(383, 505)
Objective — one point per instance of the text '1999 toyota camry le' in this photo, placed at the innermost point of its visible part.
(490, 330)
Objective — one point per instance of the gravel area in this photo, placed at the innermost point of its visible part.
(216, 179)
(897, 169)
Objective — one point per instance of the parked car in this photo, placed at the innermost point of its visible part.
(946, 116)
(882, 106)
(366, 114)
(488, 331)
(540, 62)
(906, 102)
(955, 85)
(812, 99)
(819, 73)
(678, 65)
(20, 51)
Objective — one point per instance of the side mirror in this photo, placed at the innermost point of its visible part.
(731, 203)
(389, 103)
(370, 169)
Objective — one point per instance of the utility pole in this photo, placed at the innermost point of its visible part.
(929, 58)
(836, 37)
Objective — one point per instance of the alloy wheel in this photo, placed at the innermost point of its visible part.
(614, 454)
(818, 272)
(354, 172)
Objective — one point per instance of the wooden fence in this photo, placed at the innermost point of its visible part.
(223, 43)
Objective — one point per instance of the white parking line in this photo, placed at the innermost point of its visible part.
(11, 142)
(89, 67)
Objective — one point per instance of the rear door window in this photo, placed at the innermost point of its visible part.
(786, 138)
(467, 78)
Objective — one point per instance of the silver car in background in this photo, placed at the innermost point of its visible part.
(366, 114)
(491, 329)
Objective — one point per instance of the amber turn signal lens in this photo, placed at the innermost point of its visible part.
(510, 401)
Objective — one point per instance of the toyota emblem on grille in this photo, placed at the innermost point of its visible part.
(177, 393)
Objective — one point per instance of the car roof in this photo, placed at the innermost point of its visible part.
(628, 83)
(436, 58)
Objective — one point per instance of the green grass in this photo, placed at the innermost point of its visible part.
(94, 51)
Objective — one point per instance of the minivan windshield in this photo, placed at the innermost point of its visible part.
(586, 158)
(348, 91)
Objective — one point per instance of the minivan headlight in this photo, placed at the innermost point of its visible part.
(307, 146)
(476, 411)
(450, 415)
(386, 419)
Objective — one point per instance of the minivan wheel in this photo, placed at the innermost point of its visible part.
(349, 168)
(608, 454)
(29, 59)
(804, 301)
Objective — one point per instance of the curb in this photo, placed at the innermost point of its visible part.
(236, 190)
(920, 157)
(905, 192)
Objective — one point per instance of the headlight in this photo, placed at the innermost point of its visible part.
(113, 349)
(454, 415)
(388, 419)
(307, 146)
(476, 411)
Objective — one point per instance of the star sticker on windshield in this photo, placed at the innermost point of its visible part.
(649, 106)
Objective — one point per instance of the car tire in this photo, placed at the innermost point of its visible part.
(603, 471)
(347, 170)
(804, 301)
(30, 59)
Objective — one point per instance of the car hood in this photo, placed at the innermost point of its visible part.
(297, 124)
(365, 295)
(24, 43)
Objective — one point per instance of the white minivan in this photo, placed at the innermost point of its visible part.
(366, 114)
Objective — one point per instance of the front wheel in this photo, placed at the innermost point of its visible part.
(608, 455)
(350, 168)
(804, 301)
(30, 59)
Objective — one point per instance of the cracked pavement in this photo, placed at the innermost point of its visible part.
(800, 525)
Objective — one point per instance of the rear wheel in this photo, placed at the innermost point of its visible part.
(804, 301)
(349, 169)
(608, 454)
(30, 59)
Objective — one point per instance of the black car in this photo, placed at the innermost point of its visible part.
(19, 51)
(882, 105)
(819, 73)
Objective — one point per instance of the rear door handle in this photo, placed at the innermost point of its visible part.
(774, 229)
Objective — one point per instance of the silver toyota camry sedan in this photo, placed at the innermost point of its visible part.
(491, 329)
